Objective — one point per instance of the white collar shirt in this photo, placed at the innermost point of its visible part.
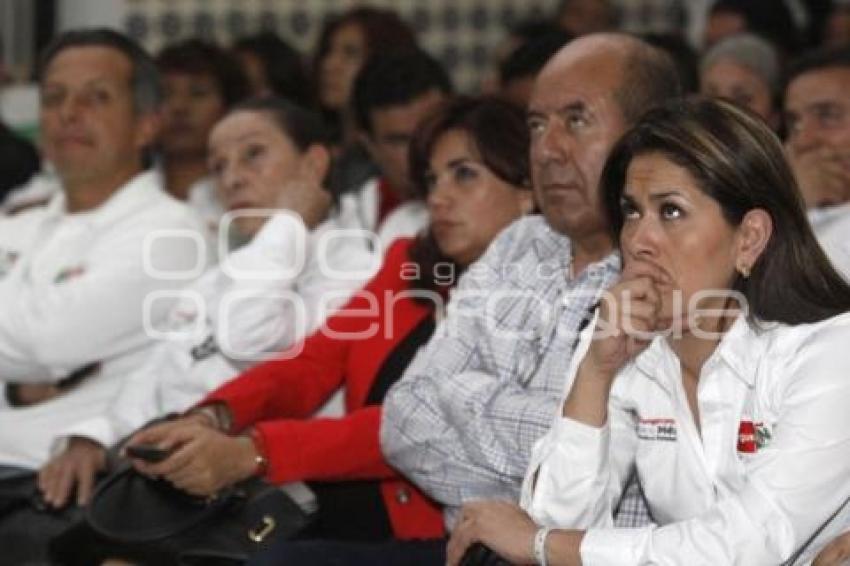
(359, 211)
(74, 291)
(772, 463)
(263, 299)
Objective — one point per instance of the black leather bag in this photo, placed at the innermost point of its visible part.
(149, 521)
(480, 555)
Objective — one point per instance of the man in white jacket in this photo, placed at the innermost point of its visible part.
(75, 273)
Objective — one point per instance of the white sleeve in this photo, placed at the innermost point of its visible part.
(792, 487)
(578, 472)
(275, 291)
(48, 330)
(136, 403)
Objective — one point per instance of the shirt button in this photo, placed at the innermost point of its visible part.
(402, 495)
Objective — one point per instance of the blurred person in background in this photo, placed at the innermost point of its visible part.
(744, 69)
(393, 93)
(200, 82)
(345, 43)
(275, 68)
(817, 116)
(771, 19)
(581, 17)
(19, 161)
(518, 71)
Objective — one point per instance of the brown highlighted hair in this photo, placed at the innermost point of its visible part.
(499, 135)
(737, 161)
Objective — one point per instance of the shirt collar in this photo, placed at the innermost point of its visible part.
(740, 349)
(128, 199)
(549, 244)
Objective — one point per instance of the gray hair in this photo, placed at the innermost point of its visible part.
(750, 51)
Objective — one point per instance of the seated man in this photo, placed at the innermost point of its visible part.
(264, 297)
(463, 419)
(74, 274)
(817, 112)
(392, 93)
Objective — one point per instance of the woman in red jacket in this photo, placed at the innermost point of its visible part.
(262, 423)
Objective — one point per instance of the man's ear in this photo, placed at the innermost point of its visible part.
(753, 235)
(148, 127)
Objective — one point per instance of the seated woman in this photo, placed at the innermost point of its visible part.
(717, 371)
(471, 160)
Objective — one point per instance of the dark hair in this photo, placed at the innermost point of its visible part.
(199, 57)
(531, 55)
(498, 132)
(527, 30)
(394, 79)
(649, 76)
(768, 18)
(612, 13)
(383, 30)
(737, 161)
(304, 127)
(145, 81)
(683, 55)
(817, 60)
(284, 67)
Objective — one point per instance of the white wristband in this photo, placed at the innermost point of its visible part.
(540, 545)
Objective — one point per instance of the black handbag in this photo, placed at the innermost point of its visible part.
(480, 555)
(149, 521)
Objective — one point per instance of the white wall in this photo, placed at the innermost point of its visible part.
(90, 13)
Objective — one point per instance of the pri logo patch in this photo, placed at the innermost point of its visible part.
(657, 429)
(69, 273)
(752, 437)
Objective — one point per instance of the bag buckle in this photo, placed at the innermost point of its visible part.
(261, 532)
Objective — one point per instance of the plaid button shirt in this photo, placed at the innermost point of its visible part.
(462, 421)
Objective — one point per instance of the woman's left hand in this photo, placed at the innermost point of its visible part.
(501, 526)
(203, 460)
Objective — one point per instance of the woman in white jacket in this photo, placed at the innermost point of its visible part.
(716, 368)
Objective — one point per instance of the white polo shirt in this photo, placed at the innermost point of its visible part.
(770, 465)
(72, 289)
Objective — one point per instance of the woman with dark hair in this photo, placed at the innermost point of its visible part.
(344, 45)
(716, 371)
(466, 160)
(275, 68)
(200, 82)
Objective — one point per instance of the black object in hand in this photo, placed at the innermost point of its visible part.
(480, 555)
(148, 453)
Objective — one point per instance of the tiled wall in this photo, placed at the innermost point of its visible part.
(461, 33)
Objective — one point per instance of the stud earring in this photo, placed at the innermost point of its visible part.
(744, 270)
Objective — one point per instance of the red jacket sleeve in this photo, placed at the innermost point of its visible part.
(279, 396)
